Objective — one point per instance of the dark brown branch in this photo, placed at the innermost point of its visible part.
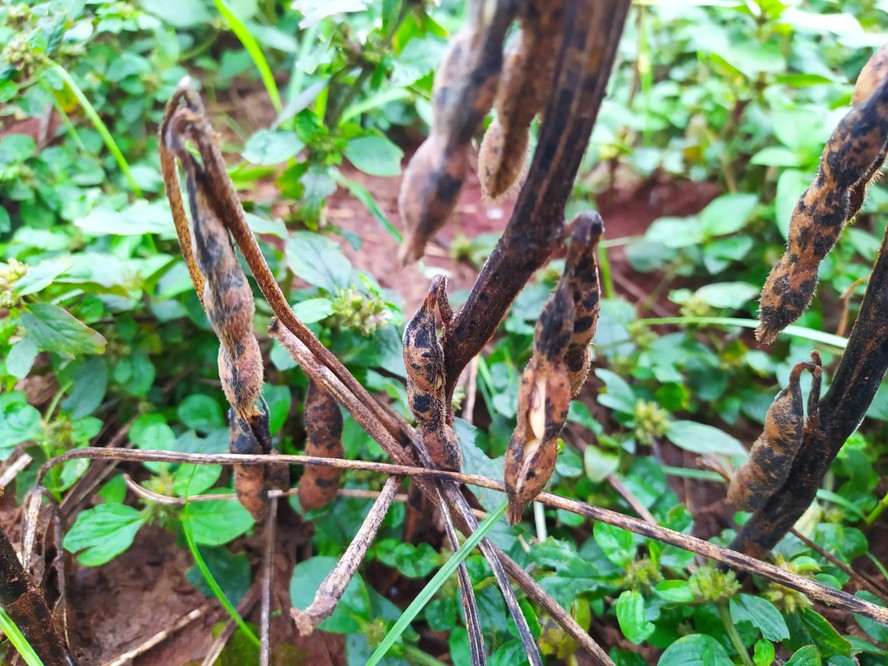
(853, 388)
(592, 33)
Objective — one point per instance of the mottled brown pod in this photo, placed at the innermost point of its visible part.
(773, 452)
(323, 426)
(465, 87)
(424, 362)
(543, 402)
(228, 302)
(853, 155)
(523, 87)
(581, 273)
(251, 437)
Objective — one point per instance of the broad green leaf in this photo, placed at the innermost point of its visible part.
(762, 614)
(630, 615)
(676, 591)
(412, 561)
(598, 464)
(313, 310)
(508, 654)
(21, 357)
(731, 295)
(619, 395)
(135, 373)
(102, 533)
(318, 260)
(135, 220)
(779, 156)
(675, 232)
(701, 438)
(195, 479)
(315, 11)
(272, 147)
(695, 650)
(728, 213)
(217, 522)
(375, 155)
(151, 432)
(828, 641)
(201, 412)
(89, 384)
(763, 653)
(874, 629)
(231, 571)
(19, 421)
(618, 544)
(41, 276)
(54, 329)
(186, 14)
(15, 148)
(806, 656)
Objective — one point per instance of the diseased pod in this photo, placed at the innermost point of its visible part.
(465, 87)
(424, 362)
(852, 157)
(773, 452)
(323, 427)
(523, 87)
(227, 299)
(581, 273)
(557, 370)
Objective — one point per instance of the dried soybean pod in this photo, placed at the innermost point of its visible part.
(543, 401)
(854, 152)
(424, 362)
(524, 84)
(581, 271)
(874, 72)
(465, 87)
(323, 426)
(773, 452)
(228, 302)
(249, 480)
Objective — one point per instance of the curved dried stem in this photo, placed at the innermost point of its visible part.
(333, 587)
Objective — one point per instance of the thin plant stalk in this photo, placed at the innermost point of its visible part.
(214, 586)
(435, 584)
(97, 122)
(252, 47)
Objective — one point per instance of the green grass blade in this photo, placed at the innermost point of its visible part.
(363, 195)
(214, 586)
(836, 341)
(97, 122)
(374, 101)
(435, 584)
(18, 640)
(252, 46)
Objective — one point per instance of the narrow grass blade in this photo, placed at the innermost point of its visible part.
(214, 586)
(435, 584)
(18, 640)
(98, 123)
(252, 46)
(363, 195)
(836, 341)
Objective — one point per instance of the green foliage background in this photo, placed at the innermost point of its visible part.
(95, 299)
